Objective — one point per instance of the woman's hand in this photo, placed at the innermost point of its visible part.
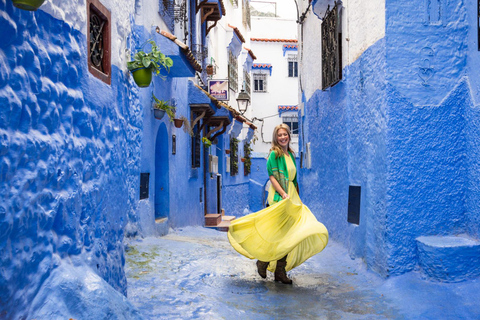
(285, 196)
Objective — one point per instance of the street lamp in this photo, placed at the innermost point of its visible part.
(243, 101)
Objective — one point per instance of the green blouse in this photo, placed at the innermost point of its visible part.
(277, 167)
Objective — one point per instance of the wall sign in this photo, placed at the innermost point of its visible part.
(218, 89)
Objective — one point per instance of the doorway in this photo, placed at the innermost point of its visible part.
(162, 178)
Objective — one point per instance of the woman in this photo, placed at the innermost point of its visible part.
(285, 234)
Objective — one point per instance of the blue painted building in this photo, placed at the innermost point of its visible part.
(396, 116)
(84, 162)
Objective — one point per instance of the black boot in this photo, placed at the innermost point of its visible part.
(280, 273)
(262, 268)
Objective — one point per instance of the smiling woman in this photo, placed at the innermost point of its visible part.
(285, 234)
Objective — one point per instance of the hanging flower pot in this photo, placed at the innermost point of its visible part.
(178, 123)
(142, 77)
(29, 5)
(243, 159)
(227, 151)
(210, 69)
(158, 113)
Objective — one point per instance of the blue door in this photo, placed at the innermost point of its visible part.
(162, 199)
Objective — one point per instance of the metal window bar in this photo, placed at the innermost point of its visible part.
(247, 81)
(96, 41)
(331, 48)
(232, 71)
(260, 82)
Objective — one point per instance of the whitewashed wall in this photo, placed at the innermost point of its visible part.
(282, 90)
(363, 24)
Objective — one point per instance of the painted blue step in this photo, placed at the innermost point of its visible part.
(449, 258)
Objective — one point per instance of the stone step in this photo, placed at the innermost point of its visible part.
(228, 218)
(212, 219)
(449, 258)
(161, 227)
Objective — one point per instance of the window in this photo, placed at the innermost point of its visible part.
(292, 122)
(246, 81)
(259, 82)
(331, 48)
(232, 71)
(246, 14)
(292, 65)
(99, 41)
(196, 143)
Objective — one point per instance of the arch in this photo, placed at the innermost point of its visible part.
(162, 177)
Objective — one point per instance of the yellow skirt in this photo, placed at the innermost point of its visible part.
(286, 227)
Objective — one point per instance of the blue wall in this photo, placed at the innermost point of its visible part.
(66, 142)
(403, 125)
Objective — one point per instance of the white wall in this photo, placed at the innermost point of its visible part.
(363, 24)
(281, 89)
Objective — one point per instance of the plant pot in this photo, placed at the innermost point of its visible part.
(243, 159)
(29, 5)
(178, 123)
(158, 113)
(227, 151)
(209, 69)
(142, 77)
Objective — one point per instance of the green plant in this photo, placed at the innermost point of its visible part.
(165, 106)
(154, 60)
(233, 156)
(247, 150)
(206, 142)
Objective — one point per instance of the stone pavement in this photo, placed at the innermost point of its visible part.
(194, 273)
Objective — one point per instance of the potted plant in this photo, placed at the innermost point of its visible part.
(29, 5)
(210, 69)
(143, 64)
(178, 122)
(160, 107)
(227, 151)
(206, 142)
(243, 159)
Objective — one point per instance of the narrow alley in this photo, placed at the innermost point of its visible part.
(194, 273)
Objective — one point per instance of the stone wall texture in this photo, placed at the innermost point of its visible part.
(67, 145)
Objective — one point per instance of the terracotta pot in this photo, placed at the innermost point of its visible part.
(227, 151)
(243, 159)
(209, 69)
(178, 123)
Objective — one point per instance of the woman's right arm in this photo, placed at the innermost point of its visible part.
(278, 188)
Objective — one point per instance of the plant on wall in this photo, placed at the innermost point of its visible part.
(233, 156)
(143, 64)
(164, 106)
(247, 151)
(206, 142)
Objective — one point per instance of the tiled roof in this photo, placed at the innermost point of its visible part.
(290, 46)
(287, 108)
(250, 52)
(237, 32)
(274, 40)
(262, 65)
(185, 49)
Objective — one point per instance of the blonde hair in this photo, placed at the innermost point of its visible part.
(276, 147)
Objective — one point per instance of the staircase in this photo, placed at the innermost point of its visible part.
(218, 221)
(449, 258)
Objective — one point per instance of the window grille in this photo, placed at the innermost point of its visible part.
(196, 143)
(292, 122)
(331, 48)
(259, 82)
(234, 3)
(292, 65)
(246, 79)
(99, 41)
(246, 14)
(232, 71)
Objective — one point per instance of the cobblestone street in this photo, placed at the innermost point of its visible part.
(194, 273)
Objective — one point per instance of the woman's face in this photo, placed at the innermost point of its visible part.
(283, 138)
